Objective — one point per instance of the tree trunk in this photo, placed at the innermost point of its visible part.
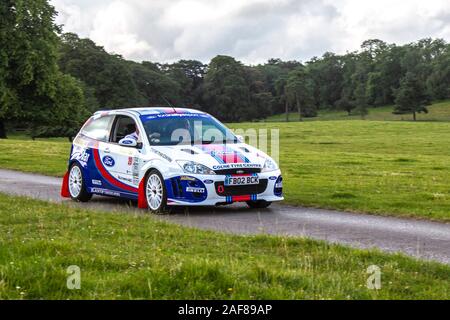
(414, 116)
(286, 105)
(2, 130)
(299, 108)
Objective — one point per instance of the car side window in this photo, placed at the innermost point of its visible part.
(123, 126)
(99, 128)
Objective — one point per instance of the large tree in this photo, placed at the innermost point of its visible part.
(226, 92)
(358, 82)
(260, 99)
(411, 97)
(280, 89)
(109, 76)
(300, 89)
(327, 74)
(438, 83)
(189, 74)
(385, 76)
(272, 73)
(69, 102)
(29, 74)
(156, 87)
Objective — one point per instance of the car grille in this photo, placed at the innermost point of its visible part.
(224, 191)
(238, 171)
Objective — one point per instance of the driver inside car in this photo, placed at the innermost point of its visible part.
(134, 135)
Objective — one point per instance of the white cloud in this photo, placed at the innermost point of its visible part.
(115, 28)
(252, 30)
(392, 20)
(72, 17)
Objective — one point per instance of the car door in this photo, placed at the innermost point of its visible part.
(94, 141)
(123, 162)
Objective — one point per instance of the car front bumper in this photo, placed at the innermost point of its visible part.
(209, 190)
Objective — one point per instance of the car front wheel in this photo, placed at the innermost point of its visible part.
(155, 193)
(77, 187)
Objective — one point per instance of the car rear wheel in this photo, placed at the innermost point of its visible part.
(258, 204)
(77, 186)
(155, 193)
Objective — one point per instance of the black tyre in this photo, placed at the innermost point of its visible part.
(156, 193)
(77, 186)
(258, 204)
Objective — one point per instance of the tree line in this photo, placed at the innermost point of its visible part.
(51, 81)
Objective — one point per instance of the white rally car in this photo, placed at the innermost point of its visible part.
(165, 157)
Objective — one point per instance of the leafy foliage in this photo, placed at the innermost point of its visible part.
(108, 75)
(299, 90)
(34, 91)
(411, 96)
(232, 93)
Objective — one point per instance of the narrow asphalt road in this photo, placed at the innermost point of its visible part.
(421, 239)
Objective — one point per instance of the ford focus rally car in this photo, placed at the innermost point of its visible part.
(165, 157)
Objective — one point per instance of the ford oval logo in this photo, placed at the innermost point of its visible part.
(108, 161)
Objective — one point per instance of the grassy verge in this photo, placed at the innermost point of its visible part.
(393, 168)
(124, 256)
(45, 156)
(439, 111)
(390, 168)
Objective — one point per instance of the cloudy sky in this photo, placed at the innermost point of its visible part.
(250, 30)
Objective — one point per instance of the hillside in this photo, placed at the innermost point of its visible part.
(438, 111)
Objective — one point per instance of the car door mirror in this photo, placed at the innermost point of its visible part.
(131, 143)
(240, 138)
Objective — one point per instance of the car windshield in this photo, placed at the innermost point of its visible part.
(176, 128)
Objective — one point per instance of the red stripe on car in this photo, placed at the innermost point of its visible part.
(241, 198)
(108, 177)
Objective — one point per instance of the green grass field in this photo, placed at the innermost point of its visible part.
(390, 168)
(395, 168)
(439, 111)
(46, 156)
(125, 256)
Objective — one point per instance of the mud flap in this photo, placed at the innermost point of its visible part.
(142, 200)
(65, 186)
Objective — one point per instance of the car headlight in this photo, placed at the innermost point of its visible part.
(269, 165)
(194, 167)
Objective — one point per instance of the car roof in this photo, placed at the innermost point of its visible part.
(152, 111)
